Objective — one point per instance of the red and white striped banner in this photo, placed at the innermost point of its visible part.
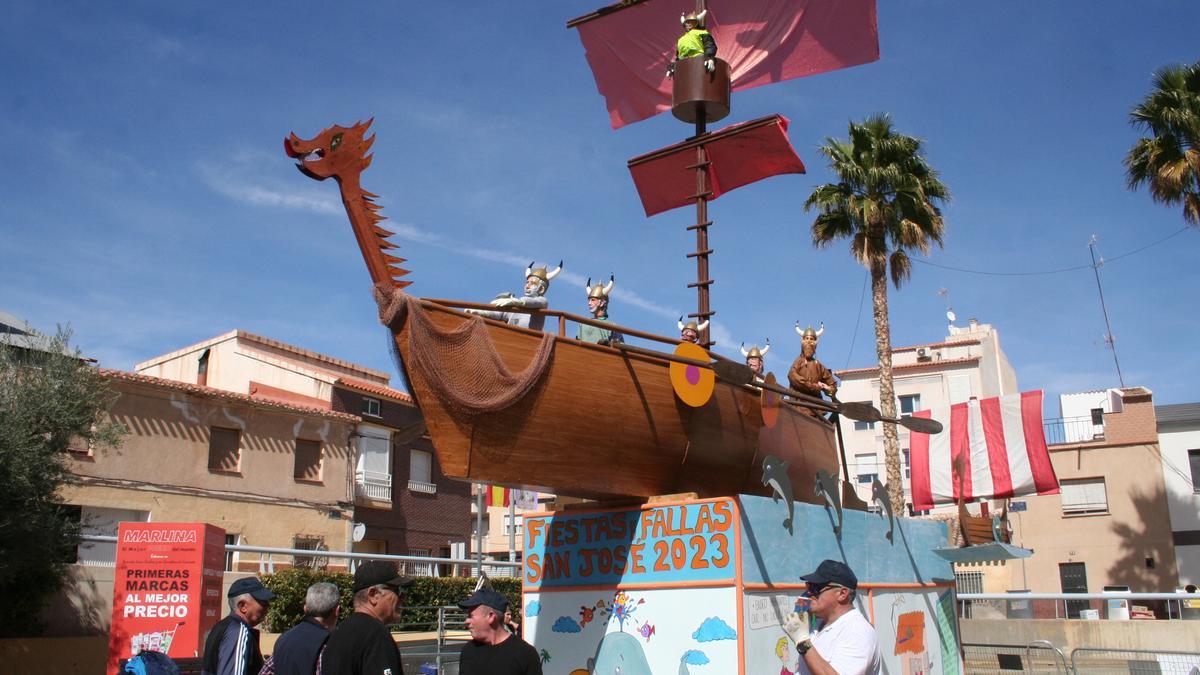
(1002, 447)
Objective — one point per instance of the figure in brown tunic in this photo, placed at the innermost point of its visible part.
(808, 375)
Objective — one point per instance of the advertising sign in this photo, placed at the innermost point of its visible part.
(676, 543)
(166, 589)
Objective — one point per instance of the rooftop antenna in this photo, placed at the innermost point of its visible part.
(1108, 336)
(944, 292)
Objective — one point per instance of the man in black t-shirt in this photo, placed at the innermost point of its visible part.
(362, 644)
(493, 650)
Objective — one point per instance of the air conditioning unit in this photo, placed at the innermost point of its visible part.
(923, 355)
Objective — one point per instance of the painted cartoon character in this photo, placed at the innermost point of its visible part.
(783, 650)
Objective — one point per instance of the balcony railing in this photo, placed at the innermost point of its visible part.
(421, 486)
(1061, 430)
(373, 485)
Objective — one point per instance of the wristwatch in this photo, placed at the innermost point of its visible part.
(803, 646)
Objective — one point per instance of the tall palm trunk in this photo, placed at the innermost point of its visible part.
(887, 395)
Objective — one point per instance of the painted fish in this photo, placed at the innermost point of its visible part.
(646, 630)
(586, 614)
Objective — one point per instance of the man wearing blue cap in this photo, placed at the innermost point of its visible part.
(493, 650)
(845, 643)
(231, 647)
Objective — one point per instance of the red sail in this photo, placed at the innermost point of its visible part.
(764, 41)
(738, 155)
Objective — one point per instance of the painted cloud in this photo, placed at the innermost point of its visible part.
(714, 628)
(565, 624)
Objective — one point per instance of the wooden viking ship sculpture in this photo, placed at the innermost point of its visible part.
(513, 406)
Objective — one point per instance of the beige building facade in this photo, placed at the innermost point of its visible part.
(967, 363)
(269, 473)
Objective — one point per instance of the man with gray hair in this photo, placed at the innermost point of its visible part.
(363, 645)
(299, 650)
(231, 647)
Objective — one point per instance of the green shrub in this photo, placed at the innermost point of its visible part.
(420, 602)
(290, 585)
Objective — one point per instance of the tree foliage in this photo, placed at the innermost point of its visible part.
(1168, 160)
(887, 203)
(49, 398)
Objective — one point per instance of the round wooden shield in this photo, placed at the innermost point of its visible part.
(693, 384)
(770, 403)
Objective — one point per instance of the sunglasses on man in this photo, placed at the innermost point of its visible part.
(814, 591)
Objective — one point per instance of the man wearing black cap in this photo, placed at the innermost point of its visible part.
(362, 644)
(845, 644)
(231, 647)
(493, 650)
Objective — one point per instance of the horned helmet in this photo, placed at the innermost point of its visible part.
(692, 326)
(600, 292)
(695, 17)
(809, 332)
(543, 276)
(755, 354)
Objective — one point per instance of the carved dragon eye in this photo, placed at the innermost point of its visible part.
(337, 140)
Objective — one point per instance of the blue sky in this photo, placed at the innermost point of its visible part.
(145, 199)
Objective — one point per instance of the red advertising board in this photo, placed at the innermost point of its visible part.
(166, 589)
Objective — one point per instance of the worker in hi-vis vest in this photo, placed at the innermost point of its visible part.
(694, 42)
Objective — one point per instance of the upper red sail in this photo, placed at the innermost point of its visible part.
(737, 155)
(764, 41)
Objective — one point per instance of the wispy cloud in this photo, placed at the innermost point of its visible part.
(233, 182)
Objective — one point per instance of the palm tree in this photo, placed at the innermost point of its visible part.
(1169, 160)
(886, 203)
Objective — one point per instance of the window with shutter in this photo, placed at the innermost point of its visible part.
(1083, 496)
(308, 460)
(224, 449)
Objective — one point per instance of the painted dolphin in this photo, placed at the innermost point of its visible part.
(827, 488)
(775, 476)
(879, 496)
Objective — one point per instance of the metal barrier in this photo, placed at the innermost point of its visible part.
(412, 565)
(1069, 605)
(1137, 661)
(1040, 657)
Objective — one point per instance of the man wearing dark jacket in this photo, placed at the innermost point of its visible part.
(232, 645)
(298, 651)
(363, 645)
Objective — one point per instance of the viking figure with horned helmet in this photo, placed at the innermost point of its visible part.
(754, 357)
(537, 282)
(690, 331)
(807, 374)
(597, 303)
(695, 41)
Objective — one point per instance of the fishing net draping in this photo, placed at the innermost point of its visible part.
(461, 365)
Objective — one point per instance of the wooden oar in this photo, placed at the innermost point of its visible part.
(739, 373)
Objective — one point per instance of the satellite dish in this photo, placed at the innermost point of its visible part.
(950, 315)
(359, 531)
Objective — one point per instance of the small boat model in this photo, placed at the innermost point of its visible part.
(513, 406)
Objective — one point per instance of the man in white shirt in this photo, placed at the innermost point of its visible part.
(845, 644)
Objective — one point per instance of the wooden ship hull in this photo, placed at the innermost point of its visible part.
(605, 423)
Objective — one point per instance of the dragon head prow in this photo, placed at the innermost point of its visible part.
(341, 153)
(338, 152)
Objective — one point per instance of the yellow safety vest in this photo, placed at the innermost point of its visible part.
(690, 44)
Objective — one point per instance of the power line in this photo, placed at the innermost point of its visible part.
(1062, 270)
(858, 319)
(1108, 337)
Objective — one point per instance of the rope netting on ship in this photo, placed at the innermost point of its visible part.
(461, 364)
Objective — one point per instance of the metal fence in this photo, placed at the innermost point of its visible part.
(1039, 658)
(1133, 662)
(268, 557)
(1061, 430)
(1098, 606)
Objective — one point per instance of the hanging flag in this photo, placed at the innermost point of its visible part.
(525, 499)
(738, 155)
(998, 444)
(629, 45)
(497, 496)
